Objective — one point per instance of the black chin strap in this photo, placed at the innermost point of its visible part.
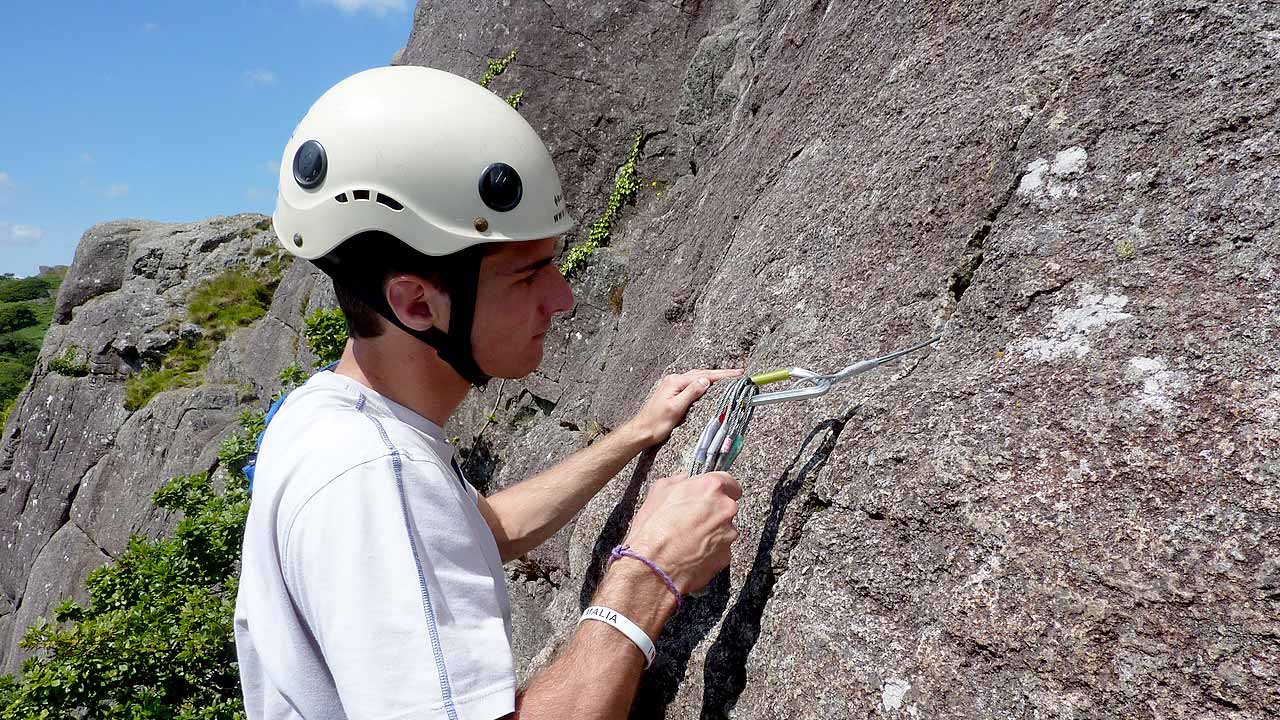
(454, 347)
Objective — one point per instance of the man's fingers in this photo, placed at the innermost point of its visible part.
(696, 388)
(712, 375)
(730, 486)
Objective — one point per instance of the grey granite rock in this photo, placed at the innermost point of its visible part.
(1065, 509)
(73, 458)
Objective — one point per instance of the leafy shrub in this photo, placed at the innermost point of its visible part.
(156, 638)
(5, 409)
(326, 334)
(69, 363)
(16, 317)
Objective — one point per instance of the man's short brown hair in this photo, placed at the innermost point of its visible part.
(368, 260)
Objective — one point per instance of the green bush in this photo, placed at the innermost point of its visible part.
(69, 363)
(5, 408)
(16, 317)
(156, 638)
(326, 334)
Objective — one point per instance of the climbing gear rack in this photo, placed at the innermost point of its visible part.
(722, 439)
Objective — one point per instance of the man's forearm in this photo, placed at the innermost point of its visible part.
(598, 673)
(524, 515)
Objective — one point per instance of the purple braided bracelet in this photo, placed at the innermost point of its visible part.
(624, 551)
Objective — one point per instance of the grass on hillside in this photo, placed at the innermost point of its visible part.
(219, 306)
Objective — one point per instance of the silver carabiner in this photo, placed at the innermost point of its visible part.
(822, 384)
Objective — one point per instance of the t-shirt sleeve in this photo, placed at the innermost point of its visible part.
(385, 566)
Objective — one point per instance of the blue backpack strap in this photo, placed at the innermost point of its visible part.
(251, 464)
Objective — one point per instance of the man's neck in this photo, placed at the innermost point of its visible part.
(403, 369)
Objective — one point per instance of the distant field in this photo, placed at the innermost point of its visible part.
(19, 347)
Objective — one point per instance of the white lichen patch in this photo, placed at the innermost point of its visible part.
(1157, 384)
(1070, 328)
(892, 693)
(1054, 178)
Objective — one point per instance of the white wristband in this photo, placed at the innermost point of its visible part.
(624, 626)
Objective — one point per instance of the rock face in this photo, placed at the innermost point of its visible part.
(77, 470)
(1066, 508)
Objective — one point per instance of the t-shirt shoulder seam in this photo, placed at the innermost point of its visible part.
(288, 526)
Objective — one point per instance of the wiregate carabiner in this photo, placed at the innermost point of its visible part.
(822, 384)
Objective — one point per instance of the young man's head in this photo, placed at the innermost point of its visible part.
(518, 291)
(435, 207)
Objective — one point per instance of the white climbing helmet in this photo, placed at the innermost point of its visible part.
(434, 159)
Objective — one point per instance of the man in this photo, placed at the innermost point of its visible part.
(372, 582)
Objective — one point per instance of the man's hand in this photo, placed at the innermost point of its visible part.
(686, 526)
(669, 402)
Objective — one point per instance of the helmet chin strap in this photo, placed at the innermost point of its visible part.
(454, 347)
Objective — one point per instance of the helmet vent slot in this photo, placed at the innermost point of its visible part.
(360, 194)
(390, 202)
(340, 197)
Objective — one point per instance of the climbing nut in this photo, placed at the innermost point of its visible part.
(482, 225)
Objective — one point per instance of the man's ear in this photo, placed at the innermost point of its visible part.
(418, 303)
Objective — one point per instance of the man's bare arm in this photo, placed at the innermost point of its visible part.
(597, 674)
(685, 526)
(524, 515)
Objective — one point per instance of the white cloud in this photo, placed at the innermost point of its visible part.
(377, 7)
(86, 157)
(150, 27)
(5, 182)
(116, 190)
(270, 168)
(259, 77)
(19, 234)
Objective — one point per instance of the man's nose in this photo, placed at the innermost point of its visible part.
(561, 299)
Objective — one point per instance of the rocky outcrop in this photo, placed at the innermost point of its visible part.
(1066, 508)
(77, 469)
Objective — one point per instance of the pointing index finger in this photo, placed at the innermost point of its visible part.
(713, 375)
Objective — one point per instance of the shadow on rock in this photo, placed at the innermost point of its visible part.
(725, 672)
(615, 528)
(479, 463)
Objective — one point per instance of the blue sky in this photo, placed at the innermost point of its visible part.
(162, 110)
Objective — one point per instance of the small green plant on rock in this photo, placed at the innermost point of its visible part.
(4, 416)
(497, 67)
(624, 192)
(326, 334)
(292, 376)
(69, 363)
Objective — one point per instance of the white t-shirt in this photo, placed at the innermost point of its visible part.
(371, 586)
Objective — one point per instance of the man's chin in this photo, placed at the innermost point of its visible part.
(516, 371)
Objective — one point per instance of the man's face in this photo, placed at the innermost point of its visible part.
(520, 289)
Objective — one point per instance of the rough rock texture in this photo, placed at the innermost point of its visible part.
(77, 470)
(1067, 508)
